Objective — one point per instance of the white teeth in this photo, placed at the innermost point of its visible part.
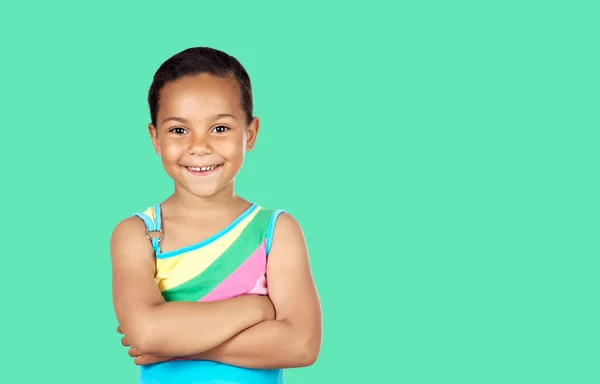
(203, 169)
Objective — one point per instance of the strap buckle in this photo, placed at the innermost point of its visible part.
(159, 238)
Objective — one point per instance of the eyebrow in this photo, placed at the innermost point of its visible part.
(182, 120)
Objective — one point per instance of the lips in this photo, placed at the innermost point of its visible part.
(203, 170)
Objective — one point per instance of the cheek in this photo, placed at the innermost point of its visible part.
(170, 150)
(233, 149)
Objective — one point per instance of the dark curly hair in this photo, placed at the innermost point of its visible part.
(198, 60)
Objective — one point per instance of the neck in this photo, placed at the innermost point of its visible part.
(189, 203)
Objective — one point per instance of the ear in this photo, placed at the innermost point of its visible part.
(154, 137)
(252, 133)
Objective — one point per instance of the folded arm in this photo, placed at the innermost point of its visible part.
(162, 328)
(293, 339)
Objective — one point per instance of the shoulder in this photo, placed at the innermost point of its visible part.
(135, 223)
(287, 232)
(130, 231)
(129, 225)
(286, 224)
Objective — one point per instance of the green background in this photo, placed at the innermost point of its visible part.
(442, 158)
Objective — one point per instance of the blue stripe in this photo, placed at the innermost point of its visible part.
(147, 220)
(157, 214)
(271, 228)
(209, 240)
(150, 226)
(206, 372)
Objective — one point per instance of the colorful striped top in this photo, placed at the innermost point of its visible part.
(228, 264)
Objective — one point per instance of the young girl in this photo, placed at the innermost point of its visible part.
(190, 274)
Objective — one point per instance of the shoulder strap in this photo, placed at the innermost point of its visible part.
(271, 228)
(152, 226)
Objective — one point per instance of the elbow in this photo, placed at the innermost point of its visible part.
(308, 352)
(145, 341)
(144, 336)
(307, 359)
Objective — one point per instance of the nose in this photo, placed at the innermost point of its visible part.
(199, 144)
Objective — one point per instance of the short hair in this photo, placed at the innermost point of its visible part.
(196, 60)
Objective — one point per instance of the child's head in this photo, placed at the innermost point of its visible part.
(193, 61)
(202, 120)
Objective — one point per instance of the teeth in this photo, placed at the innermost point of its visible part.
(203, 169)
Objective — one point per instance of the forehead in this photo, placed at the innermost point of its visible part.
(200, 96)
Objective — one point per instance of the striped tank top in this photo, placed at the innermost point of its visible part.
(228, 264)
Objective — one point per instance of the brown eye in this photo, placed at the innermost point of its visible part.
(178, 130)
(220, 129)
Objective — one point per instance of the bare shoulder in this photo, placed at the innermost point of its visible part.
(289, 251)
(129, 240)
(288, 230)
(129, 226)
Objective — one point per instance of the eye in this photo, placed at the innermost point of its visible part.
(220, 129)
(177, 130)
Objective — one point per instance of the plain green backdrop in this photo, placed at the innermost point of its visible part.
(442, 158)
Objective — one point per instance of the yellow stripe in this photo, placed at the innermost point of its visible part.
(176, 270)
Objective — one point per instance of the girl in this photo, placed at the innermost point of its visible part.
(190, 274)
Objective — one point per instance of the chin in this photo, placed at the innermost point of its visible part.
(204, 191)
(198, 185)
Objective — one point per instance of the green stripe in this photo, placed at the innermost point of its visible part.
(246, 243)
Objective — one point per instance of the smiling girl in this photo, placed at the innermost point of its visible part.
(190, 286)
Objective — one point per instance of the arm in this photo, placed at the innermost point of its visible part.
(157, 327)
(293, 339)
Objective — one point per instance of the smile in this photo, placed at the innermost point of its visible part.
(204, 170)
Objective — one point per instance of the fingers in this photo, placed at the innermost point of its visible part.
(134, 352)
(139, 360)
(125, 342)
(142, 360)
(138, 357)
(147, 359)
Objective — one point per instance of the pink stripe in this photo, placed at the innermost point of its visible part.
(243, 279)
(261, 286)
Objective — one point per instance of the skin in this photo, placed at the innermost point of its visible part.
(280, 330)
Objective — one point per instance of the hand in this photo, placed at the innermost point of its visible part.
(138, 357)
(141, 359)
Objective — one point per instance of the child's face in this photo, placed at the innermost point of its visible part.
(210, 131)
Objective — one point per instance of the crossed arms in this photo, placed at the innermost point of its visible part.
(282, 330)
